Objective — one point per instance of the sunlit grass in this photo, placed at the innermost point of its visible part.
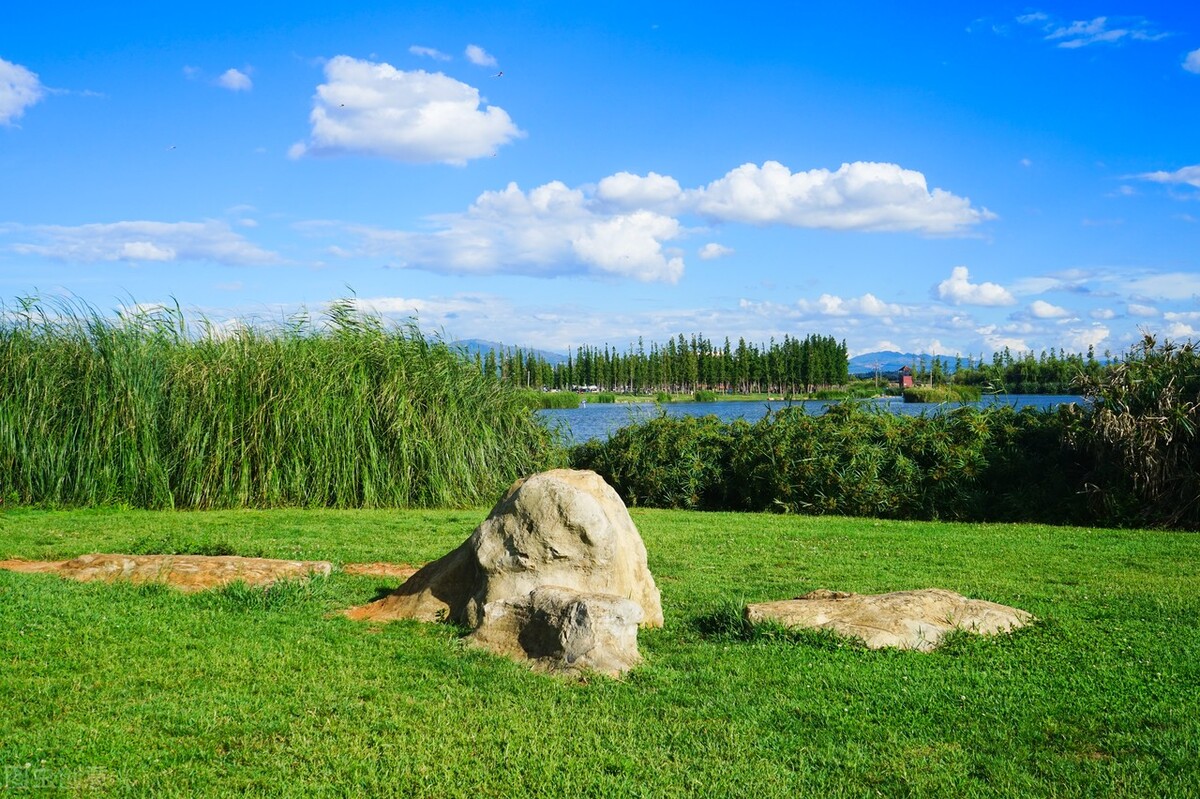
(118, 690)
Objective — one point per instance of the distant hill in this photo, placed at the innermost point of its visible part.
(888, 362)
(481, 346)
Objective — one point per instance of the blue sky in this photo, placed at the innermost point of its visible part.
(919, 177)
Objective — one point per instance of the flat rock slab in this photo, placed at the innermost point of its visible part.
(904, 619)
(185, 572)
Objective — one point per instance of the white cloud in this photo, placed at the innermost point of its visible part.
(1078, 339)
(627, 190)
(616, 227)
(866, 305)
(144, 241)
(1182, 316)
(1188, 174)
(1137, 309)
(1180, 330)
(1099, 30)
(712, 251)
(1044, 310)
(1192, 62)
(550, 230)
(374, 109)
(428, 52)
(959, 290)
(1102, 313)
(1166, 286)
(480, 57)
(19, 89)
(235, 80)
(858, 196)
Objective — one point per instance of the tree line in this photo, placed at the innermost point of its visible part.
(680, 365)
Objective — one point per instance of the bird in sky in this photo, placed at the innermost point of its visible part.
(499, 74)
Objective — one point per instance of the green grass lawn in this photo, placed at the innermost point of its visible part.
(128, 691)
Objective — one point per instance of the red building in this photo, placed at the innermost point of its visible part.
(905, 378)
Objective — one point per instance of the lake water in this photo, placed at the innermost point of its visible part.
(596, 420)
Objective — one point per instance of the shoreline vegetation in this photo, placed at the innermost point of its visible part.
(150, 410)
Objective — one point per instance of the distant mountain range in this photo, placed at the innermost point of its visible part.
(477, 345)
(888, 362)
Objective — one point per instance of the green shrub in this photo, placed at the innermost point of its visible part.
(1142, 435)
(938, 394)
(970, 464)
(705, 396)
(603, 398)
(663, 396)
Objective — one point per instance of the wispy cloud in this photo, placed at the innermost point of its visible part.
(141, 241)
(374, 109)
(1188, 174)
(429, 52)
(1098, 30)
(19, 89)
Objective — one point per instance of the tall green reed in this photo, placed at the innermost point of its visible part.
(146, 410)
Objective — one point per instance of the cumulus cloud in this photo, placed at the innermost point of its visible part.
(1044, 310)
(428, 52)
(959, 290)
(141, 241)
(480, 57)
(1078, 339)
(19, 89)
(374, 109)
(1099, 30)
(621, 225)
(627, 190)
(1188, 174)
(857, 196)
(1192, 62)
(549, 230)
(1103, 313)
(712, 251)
(235, 80)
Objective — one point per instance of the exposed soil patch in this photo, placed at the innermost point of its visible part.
(399, 570)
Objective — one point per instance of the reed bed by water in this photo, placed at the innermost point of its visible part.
(147, 410)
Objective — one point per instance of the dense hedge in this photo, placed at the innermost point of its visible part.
(995, 463)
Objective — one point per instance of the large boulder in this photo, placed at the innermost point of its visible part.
(563, 631)
(903, 619)
(563, 528)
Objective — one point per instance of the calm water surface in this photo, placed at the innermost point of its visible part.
(602, 420)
